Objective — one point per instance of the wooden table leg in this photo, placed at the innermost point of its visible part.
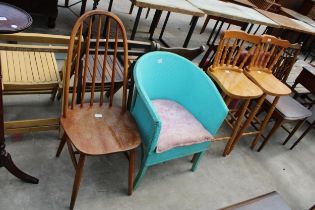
(191, 30)
(265, 121)
(217, 33)
(164, 25)
(155, 22)
(131, 8)
(135, 26)
(110, 5)
(204, 26)
(5, 157)
(83, 6)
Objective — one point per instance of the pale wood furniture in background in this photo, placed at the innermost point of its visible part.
(289, 23)
(177, 6)
(95, 127)
(243, 2)
(264, 4)
(229, 11)
(298, 16)
(227, 72)
(30, 67)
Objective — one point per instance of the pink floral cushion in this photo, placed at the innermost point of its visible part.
(179, 126)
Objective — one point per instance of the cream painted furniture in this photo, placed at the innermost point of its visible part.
(30, 67)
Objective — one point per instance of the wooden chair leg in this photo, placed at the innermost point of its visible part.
(143, 169)
(276, 125)
(61, 144)
(132, 155)
(196, 159)
(72, 156)
(296, 127)
(302, 136)
(77, 180)
(54, 93)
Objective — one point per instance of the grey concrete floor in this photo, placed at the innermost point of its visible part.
(218, 182)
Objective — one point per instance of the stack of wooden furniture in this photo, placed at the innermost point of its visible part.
(30, 67)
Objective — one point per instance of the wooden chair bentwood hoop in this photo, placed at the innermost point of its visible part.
(96, 128)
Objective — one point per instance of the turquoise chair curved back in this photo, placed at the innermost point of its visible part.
(164, 75)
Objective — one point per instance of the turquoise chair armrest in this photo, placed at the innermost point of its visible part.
(149, 123)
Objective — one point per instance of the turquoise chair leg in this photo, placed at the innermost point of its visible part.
(140, 175)
(196, 160)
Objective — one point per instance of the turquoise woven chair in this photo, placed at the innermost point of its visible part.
(164, 75)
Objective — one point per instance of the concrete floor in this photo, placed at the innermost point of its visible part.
(218, 182)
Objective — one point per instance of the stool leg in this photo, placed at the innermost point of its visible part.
(248, 121)
(237, 126)
(265, 121)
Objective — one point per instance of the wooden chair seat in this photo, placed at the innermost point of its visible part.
(289, 108)
(29, 70)
(235, 83)
(268, 83)
(114, 132)
(99, 69)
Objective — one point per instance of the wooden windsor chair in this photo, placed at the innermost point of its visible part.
(227, 72)
(260, 72)
(95, 127)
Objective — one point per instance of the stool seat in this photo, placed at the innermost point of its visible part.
(235, 83)
(29, 70)
(268, 82)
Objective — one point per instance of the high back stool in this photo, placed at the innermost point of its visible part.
(227, 72)
(260, 72)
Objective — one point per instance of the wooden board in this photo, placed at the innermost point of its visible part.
(268, 201)
(289, 23)
(233, 12)
(298, 16)
(177, 6)
(242, 2)
(24, 69)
